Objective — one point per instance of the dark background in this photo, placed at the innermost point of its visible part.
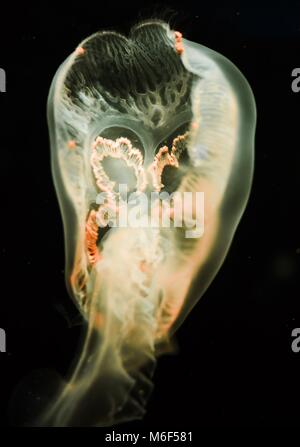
(235, 366)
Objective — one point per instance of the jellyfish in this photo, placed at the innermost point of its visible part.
(151, 114)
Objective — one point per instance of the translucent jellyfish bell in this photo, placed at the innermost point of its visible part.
(156, 113)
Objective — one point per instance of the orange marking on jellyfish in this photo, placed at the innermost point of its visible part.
(122, 149)
(80, 51)
(178, 43)
(162, 158)
(91, 236)
(72, 144)
(99, 320)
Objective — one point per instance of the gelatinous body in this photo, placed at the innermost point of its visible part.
(157, 113)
